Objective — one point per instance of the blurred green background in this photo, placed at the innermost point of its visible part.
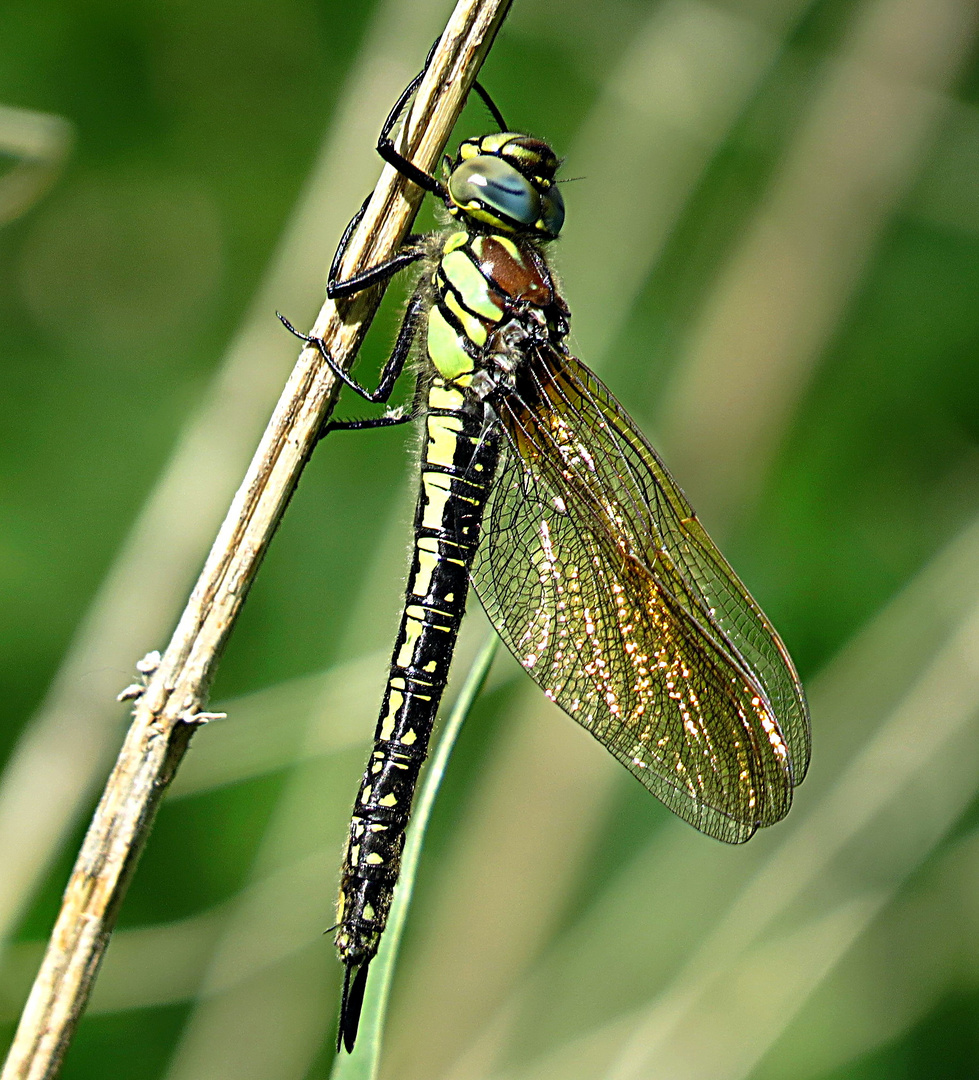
(772, 253)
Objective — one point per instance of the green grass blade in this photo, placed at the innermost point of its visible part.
(364, 1062)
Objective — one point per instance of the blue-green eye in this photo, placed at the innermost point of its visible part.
(497, 185)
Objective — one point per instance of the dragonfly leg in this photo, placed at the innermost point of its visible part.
(388, 420)
(391, 154)
(491, 105)
(411, 251)
(417, 307)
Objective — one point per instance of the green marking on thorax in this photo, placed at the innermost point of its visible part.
(470, 284)
(444, 348)
(454, 241)
(490, 143)
(472, 327)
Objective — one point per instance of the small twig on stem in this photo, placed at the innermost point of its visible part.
(169, 709)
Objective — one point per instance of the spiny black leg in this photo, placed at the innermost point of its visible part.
(491, 105)
(396, 361)
(387, 149)
(400, 415)
(390, 153)
(320, 344)
(411, 251)
(389, 420)
(350, 1006)
(415, 314)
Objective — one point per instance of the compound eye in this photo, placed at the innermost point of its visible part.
(552, 210)
(494, 183)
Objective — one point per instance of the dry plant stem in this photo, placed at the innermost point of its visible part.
(167, 713)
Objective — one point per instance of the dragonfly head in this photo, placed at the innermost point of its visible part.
(506, 182)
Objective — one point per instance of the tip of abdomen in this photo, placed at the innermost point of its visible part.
(354, 984)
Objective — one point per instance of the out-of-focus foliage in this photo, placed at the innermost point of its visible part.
(773, 256)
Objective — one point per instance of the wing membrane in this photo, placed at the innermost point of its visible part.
(601, 581)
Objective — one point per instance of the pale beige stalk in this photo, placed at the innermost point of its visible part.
(170, 708)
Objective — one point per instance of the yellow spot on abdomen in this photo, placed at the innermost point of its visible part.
(441, 396)
(443, 436)
(413, 631)
(437, 487)
(427, 562)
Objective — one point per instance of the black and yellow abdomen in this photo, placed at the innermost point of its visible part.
(457, 470)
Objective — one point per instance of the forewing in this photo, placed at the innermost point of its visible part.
(600, 580)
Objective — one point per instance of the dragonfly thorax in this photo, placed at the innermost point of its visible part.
(493, 299)
(506, 182)
(503, 356)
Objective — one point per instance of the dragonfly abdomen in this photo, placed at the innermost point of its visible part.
(457, 470)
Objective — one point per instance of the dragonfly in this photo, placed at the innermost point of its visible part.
(538, 489)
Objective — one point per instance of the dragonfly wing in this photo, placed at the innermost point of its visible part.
(717, 590)
(599, 579)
